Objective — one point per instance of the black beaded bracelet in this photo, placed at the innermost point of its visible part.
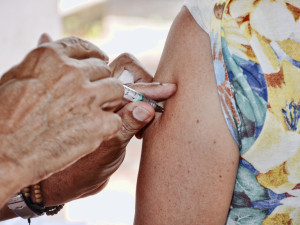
(38, 206)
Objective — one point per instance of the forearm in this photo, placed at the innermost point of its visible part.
(189, 158)
(6, 213)
(11, 178)
(10, 183)
(70, 184)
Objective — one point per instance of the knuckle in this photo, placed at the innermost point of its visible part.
(111, 106)
(75, 38)
(126, 55)
(125, 58)
(112, 90)
(129, 128)
(116, 83)
(71, 40)
(117, 86)
(113, 83)
(82, 42)
(43, 51)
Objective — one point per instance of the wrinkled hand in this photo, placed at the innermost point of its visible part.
(90, 174)
(57, 105)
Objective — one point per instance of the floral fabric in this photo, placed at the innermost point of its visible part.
(256, 55)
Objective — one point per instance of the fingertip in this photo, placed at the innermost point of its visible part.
(156, 91)
(168, 89)
(44, 38)
(143, 113)
(172, 87)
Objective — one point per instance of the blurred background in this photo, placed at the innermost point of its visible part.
(139, 27)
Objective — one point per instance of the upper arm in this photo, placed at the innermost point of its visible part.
(189, 159)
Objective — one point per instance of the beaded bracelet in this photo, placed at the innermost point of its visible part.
(38, 205)
(50, 211)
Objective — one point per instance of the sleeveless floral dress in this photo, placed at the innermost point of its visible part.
(256, 55)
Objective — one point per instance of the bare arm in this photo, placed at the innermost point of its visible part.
(189, 158)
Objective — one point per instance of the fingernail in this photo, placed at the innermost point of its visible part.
(158, 83)
(166, 84)
(141, 114)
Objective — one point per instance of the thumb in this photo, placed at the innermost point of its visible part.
(135, 116)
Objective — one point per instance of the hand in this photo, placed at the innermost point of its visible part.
(90, 174)
(56, 106)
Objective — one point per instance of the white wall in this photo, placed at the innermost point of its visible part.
(21, 23)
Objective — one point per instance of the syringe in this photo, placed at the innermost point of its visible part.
(134, 96)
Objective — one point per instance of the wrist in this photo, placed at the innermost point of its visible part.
(11, 182)
(12, 171)
(23, 207)
(29, 203)
(39, 199)
(49, 193)
(6, 213)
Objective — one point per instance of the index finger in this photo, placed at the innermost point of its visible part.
(155, 91)
(127, 62)
(77, 48)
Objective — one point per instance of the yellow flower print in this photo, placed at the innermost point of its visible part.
(276, 143)
(237, 42)
(276, 179)
(280, 12)
(293, 168)
(281, 215)
(267, 58)
(289, 46)
(295, 216)
(273, 147)
(278, 95)
(241, 8)
(288, 213)
(247, 26)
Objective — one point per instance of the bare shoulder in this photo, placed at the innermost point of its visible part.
(189, 157)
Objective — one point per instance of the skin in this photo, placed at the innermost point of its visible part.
(51, 111)
(189, 158)
(89, 175)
